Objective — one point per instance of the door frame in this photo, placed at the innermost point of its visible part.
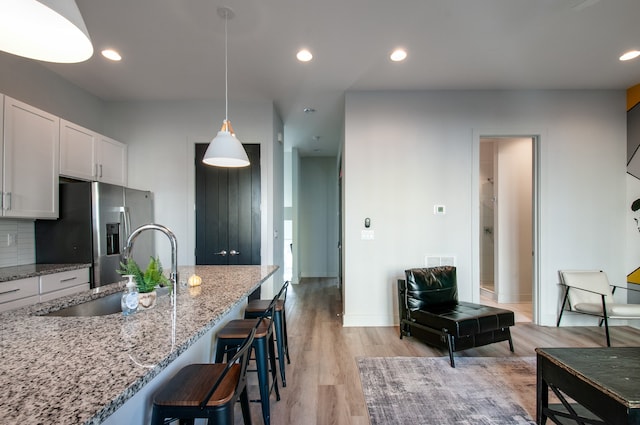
(537, 137)
(190, 207)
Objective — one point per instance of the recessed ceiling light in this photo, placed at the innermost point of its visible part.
(304, 55)
(398, 55)
(111, 54)
(632, 54)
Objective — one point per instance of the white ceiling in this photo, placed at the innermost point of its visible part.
(174, 49)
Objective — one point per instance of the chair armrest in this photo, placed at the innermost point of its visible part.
(624, 287)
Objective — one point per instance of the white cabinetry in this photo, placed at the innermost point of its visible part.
(64, 283)
(77, 151)
(29, 161)
(87, 155)
(112, 161)
(18, 293)
(29, 291)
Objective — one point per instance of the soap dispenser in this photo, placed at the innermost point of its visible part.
(130, 297)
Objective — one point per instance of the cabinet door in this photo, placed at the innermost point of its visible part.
(31, 161)
(18, 293)
(77, 151)
(112, 161)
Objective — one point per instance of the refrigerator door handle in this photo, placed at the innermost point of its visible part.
(125, 218)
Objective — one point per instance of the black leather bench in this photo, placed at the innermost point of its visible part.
(430, 311)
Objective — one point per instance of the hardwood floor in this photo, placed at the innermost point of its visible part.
(323, 385)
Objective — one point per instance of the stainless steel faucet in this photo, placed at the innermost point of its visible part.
(174, 249)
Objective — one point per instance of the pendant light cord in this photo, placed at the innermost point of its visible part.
(226, 71)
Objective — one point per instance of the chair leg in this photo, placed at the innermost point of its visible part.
(263, 377)
(286, 337)
(244, 404)
(278, 324)
(564, 302)
(450, 343)
(272, 361)
(606, 322)
(510, 340)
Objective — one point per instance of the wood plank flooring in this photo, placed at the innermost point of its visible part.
(323, 385)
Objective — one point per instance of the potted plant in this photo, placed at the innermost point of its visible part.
(146, 281)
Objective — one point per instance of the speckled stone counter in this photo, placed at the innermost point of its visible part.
(32, 270)
(79, 370)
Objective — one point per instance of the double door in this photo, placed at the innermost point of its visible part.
(228, 211)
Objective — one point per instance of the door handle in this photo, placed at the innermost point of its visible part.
(223, 253)
(234, 252)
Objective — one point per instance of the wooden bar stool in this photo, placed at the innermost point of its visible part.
(206, 391)
(256, 308)
(232, 335)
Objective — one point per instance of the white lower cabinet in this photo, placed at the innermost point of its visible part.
(18, 293)
(64, 283)
(23, 292)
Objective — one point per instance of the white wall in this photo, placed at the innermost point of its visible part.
(27, 81)
(161, 138)
(406, 152)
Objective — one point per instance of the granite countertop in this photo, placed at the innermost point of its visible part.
(32, 270)
(81, 369)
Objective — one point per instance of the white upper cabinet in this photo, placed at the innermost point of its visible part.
(87, 155)
(111, 161)
(30, 161)
(77, 151)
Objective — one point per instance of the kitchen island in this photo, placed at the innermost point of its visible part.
(103, 369)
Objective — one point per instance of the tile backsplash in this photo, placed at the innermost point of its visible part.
(17, 242)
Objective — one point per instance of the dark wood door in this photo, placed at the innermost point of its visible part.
(228, 211)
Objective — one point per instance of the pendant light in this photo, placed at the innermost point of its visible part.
(45, 30)
(225, 150)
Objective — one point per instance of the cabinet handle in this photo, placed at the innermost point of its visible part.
(100, 171)
(1, 200)
(68, 279)
(10, 291)
(8, 194)
(234, 252)
(223, 253)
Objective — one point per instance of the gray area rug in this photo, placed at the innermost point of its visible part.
(426, 390)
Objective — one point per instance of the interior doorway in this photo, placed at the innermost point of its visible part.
(227, 216)
(507, 199)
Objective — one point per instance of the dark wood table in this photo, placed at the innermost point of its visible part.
(606, 381)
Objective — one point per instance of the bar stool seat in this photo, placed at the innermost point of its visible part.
(256, 308)
(232, 335)
(206, 391)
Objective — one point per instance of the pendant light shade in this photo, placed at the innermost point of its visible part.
(46, 30)
(225, 150)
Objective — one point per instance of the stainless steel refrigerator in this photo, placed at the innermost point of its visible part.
(95, 221)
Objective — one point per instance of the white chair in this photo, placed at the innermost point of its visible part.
(589, 292)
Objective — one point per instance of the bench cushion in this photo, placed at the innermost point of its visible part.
(463, 318)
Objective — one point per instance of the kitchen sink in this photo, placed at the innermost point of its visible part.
(109, 304)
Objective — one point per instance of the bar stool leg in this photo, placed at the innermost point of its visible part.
(278, 324)
(286, 338)
(263, 377)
